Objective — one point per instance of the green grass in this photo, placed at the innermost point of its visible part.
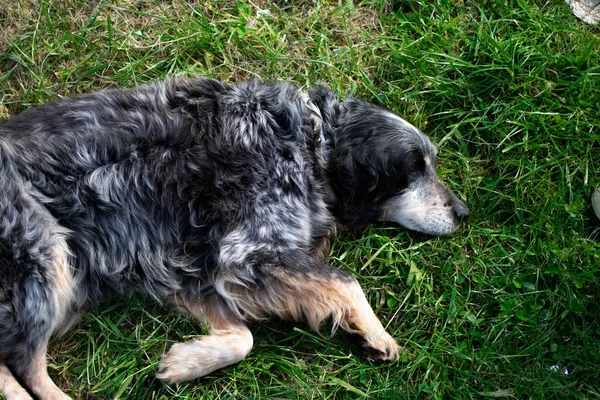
(510, 92)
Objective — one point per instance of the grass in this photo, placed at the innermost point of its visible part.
(510, 92)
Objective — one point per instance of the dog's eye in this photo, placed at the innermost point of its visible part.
(415, 169)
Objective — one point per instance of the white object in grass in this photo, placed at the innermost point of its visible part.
(596, 202)
(587, 10)
(557, 369)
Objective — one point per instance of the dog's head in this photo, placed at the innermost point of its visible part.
(382, 168)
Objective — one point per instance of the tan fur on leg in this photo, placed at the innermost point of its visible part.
(315, 298)
(63, 283)
(9, 387)
(209, 311)
(37, 379)
(322, 248)
(378, 344)
(229, 341)
(59, 269)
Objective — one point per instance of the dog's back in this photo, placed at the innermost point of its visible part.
(116, 169)
(133, 189)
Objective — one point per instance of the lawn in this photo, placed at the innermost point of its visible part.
(508, 307)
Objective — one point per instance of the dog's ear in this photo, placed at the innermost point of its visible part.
(197, 97)
(327, 101)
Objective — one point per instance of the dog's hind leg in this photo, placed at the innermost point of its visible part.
(25, 352)
(228, 342)
(9, 387)
(24, 340)
(32, 369)
(30, 320)
(35, 296)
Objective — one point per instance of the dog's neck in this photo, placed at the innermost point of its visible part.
(319, 124)
(318, 119)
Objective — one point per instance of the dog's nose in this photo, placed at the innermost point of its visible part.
(461, 211)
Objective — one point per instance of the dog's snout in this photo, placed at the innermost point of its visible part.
(461, 211)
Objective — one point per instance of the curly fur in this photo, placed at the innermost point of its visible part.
(218, 198)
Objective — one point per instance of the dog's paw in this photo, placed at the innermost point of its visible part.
(381, 347)
(199, 357)
(183, 362)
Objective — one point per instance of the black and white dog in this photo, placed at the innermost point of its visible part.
(219, 199)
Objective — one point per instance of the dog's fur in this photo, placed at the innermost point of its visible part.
(218, 199)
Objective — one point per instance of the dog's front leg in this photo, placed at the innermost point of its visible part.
(295, 286)
(228, 341)
(298, 287)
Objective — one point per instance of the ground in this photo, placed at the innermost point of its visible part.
(509, 92)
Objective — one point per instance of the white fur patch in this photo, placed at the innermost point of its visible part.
(421, 208)
(405, 123)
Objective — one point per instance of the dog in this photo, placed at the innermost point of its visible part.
(219, 199)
